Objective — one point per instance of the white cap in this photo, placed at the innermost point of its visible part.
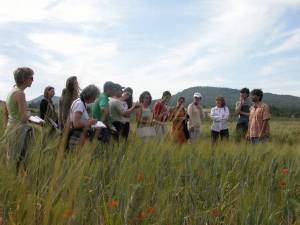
(197, 95)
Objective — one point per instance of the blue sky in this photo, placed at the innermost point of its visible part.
(153, 45)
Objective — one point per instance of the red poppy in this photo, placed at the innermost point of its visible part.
(215, 212)
(68, 213)
(113, 204)
(141, 215)
(285, 170)
(282, 184)
(150, 210)
(140, 177)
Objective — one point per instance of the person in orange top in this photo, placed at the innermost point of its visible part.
(259, 129)
(160, 113)
(178, 117)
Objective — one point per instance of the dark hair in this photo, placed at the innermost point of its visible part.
(222, 99)
(21, 74)
(166, 93)
(258, 92)
(245, 90)
(142, 96)
(181, 98)
(46, 94)
(90, 92)
(129, 100)
(108, 86)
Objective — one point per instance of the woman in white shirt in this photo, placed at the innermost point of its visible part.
(80, 122)
(219, 115)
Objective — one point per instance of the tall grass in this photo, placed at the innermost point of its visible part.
(156, 182)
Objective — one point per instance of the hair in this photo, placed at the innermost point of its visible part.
(245, 90)
(129, 100)
(21, 74)
(181, 98)
(71, 90)
(90, 92)
(222, 99)
(258, 92)
(142, 96)
(108, 86)
(166, 93)
(46, 91)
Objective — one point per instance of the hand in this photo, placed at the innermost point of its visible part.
(137, 105)
(91, 122)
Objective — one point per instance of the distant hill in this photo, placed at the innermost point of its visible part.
(34, 103)
(281, 105)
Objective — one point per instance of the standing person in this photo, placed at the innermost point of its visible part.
(259, 129)
(18, 130)
(219, 115)
(179, 122)
(242, 110)
(127, 100)
(196, 114)
(144, 117)
(4, 113)
(101, 111)
(69, 94)
(80, 122)
(120, 112)
(161, 112)
(47, 108)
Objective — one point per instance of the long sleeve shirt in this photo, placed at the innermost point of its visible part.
(219, 117)
(195, 115)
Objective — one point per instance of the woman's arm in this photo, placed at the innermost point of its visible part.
(43, 108)
(225, 116)
(214, 115)
(20, 99)
(78, 123)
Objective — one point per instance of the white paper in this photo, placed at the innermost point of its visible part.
(36, 119)
(99, 124)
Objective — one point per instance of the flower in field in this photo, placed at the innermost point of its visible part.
(1, 220)
(140, 177)
(150, 210)
(68, 213)
(113, 204)
(285, 170)
(282, 184)
(141, 215)
(215, 212)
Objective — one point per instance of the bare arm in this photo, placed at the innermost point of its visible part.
(78, 123)
(19, 97)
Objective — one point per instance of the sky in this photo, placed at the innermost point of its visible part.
(152, 45)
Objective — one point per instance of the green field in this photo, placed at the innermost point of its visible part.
(156, 183)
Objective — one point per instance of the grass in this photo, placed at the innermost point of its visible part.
(156, 183)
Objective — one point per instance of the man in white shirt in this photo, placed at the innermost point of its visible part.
(196, 114)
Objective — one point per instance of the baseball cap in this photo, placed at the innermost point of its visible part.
(197, 95)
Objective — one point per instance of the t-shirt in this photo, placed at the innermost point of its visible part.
(78, 106)
(101, 102)
(258, 114)
(244, 108)
(117, 108)
(195, 114)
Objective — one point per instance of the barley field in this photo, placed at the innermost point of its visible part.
(157, 183)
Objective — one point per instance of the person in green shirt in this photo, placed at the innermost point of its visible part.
(101, 112)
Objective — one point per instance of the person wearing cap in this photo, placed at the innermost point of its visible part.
(161, 113)
(120, 111)
(242, 110)
(195, 112)
(219, 115)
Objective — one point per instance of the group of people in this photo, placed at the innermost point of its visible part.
(80, 110)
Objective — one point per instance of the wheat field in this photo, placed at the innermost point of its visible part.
(156, 183)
